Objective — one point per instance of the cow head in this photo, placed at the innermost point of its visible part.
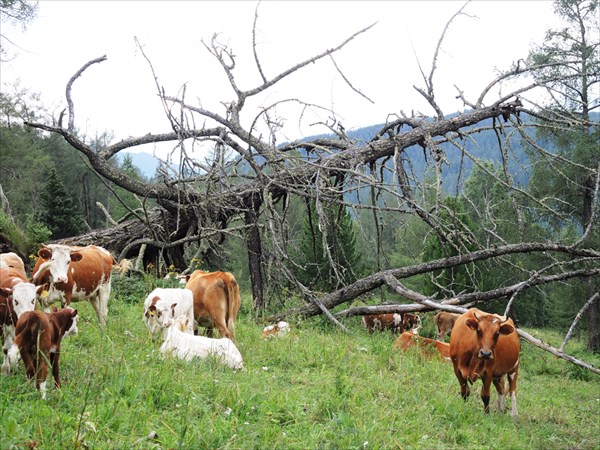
(159, 316)
(73, 317)
(24, 296)
(56, 259)
(488, 328)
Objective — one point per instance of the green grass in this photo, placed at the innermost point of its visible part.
(316, 388)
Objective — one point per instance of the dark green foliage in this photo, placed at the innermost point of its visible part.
(318, 272)
(455, 238)
(58, 210)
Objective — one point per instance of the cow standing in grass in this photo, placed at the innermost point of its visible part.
(486, 346)
(38, 339)
(216, 301)
(75, 273)
(163, 304)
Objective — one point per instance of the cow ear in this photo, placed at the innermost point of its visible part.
(187, 278)
(76, 256)
(472, 324)
(74, 313)
(5, 292)
(507, 328)
(45, 253)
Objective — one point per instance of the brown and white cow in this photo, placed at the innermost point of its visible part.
(75, 273)
(216, 301)
(444, 321)
(12, 260)
(486, 346)
(428, 346)
(395, 322)
(17, 296)
(38, 339)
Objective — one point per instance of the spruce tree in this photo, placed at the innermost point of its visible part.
(317, 272)
(59, 212)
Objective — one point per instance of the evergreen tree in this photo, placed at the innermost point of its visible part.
(318, 272)
(59, 212)
(569, 63)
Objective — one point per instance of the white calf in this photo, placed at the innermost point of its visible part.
(163, 304)
(280, 329)
(187, 346)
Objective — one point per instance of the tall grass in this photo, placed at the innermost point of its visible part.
(315, 388)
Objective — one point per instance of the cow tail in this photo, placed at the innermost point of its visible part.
(231, 300)
(123, 267)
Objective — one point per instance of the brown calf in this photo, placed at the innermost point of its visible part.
(38, 339)
(395, 322)
(428, 346)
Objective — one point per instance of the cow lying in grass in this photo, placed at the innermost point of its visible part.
(184, 345)
(279, 329)
(428, 346)
(38, 338)
(163, 304)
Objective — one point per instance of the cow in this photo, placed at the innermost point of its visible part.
(75, 273)
(410, 339)
(486, 346)
(279, 329)
(410, 322)
(164, 303)
(38, 338)
(17, 296)
(12, 260)
(184, 345)
(395, 322)
(216, 301)
(381, 322)
(444, 321)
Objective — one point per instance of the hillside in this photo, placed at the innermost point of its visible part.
(483, 146)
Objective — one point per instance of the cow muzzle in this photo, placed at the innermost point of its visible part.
(485, 354)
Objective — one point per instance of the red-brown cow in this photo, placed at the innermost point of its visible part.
(75, 273)
(216, 301)
(486, 346)
(38, 339)
(428, 346)
(444, 322)
(17, 296)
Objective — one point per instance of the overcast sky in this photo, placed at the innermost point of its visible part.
(119, 94)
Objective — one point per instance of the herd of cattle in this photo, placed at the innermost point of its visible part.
(482, 345)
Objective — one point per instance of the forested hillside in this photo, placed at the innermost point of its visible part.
(495, 206)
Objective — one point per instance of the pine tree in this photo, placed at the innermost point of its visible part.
(59, 212)
(318, 272)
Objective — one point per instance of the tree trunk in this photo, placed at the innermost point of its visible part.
(253, 244)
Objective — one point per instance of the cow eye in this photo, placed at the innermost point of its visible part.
(479, 333)
(496, 335)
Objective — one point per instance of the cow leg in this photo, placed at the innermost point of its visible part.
(512, 388)
(501, 388)
(28, 363)
(485, 391)
(100, 313)
(464, 386)
(223, 330)
(54, 357)
(9, 335)
(42, 374)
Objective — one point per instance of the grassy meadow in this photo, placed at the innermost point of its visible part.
(317, 388)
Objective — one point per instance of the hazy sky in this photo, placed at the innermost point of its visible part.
(120, 95)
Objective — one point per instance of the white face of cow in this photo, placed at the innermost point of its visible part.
(58, 258)
(73, 328)
(24, 297)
